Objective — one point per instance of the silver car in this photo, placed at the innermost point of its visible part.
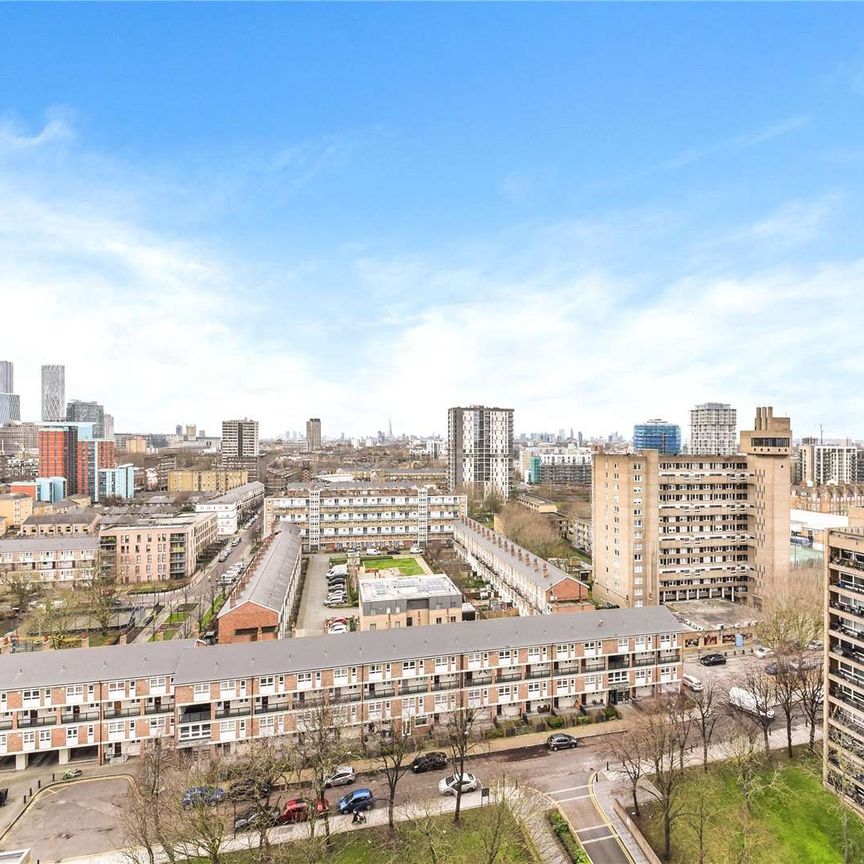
(344, 775)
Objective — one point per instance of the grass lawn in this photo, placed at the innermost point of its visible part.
(462, 845)
(792, 818)
(406, 566)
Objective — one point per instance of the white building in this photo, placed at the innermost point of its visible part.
(824, 464)
(239, 439)
(480, 450)
(232, 506)
(713, 429)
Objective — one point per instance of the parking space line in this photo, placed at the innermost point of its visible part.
(597, 839)
(567, 789)
(592, 828)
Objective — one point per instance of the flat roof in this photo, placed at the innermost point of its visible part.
(239, 493)
(714, 614)
(269, 582)
(48, 544)
(154, 520)
(545, 579)
(374, 588)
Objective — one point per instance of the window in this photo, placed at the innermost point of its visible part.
(201, 692)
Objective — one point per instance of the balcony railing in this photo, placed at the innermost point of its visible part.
(25, 722)
(83, 717)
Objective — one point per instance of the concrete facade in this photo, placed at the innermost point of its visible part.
(392, 602)
(713, 430)
(480, 450)
(50, 560)
(215, 480)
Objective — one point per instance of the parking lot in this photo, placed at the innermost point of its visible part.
(313, 612)
(71, 819)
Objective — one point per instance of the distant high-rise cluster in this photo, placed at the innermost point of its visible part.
(53, 393)
(713, 429)
(480, 450)
(87, 412)
(10, 404)
(657, 435)
(313, 434)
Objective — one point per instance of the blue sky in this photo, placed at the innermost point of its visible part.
(590, 213)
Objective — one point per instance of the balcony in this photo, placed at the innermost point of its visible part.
(164, 708)
(405, 689)
(30, 722)
(539, 673)
(195, 717)
(111, 713)
(510, 676)
(649, 661)
(594, 666)
(81, 717)
(381, 692)
(273, 706)
(616, 663)
(243, 711)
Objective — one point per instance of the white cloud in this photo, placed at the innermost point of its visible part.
(14, 137)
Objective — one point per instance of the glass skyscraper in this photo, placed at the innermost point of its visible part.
(657, 435)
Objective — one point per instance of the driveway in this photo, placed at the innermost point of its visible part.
(313, 612)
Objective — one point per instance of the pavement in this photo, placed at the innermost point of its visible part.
(313, 613)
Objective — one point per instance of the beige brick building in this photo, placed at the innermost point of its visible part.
(61, 524)
(389, 603)
(686, 527)
(157, 548)
(15, 507)
(182, 480)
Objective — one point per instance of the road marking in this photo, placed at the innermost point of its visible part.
(567, 789)
(598, 840)
(602, 814)
(571, 798)
(592, 828)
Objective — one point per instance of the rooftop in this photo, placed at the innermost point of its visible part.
(386, 589)
(714, 614)
(10, 496)
(536, 569)
(49, 544)
(174, 520)
(239, 493)
(191, 663)
(268, 578)
(77, 517)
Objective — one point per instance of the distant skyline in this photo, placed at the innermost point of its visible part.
(594, 214)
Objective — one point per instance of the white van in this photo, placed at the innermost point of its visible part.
(746, 701)
(691, 682)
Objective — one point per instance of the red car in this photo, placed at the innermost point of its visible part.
(297, 810)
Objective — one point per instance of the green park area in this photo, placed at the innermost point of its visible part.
(406, 566)
(786, 816)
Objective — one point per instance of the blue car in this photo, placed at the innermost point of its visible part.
(200, 796)
(353, 802)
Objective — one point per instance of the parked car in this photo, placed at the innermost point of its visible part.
(254, 819)
(416, 550)
(299, 809)
(338, 628)
(816, 645)
(561, 741)
(713, 659)
(248, 788)
(691, 682)
(356, 800)
(373, 551)
(449, 785)
(198, 796)
(335, 599)
(344, 775)
(434, 761)
(762, 652)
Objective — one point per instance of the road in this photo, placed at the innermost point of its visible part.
(205, 585)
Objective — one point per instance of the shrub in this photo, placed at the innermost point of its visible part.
(561, 829)
(611, 712)
(555, 722)
(583, 721)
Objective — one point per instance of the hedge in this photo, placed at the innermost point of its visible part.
(561, 829)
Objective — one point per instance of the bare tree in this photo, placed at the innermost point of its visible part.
(101, 592)
(700, 814)
(628, 751)
(761, 687)
(57, 617)
(461, 742)
(22, 588)
(792, 619)
(662, 751)
(811, 695)
(392, 746)
(841, 775)
(705, 710)
(319, 749)
(787, 693)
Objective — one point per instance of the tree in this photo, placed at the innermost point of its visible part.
(662, 745)
(787, 693)
(202, 829)
(101, 593)
(56, 618)
(705, 705)
(628, 751)
(760, 685)
(319, 748)
(811, 695)
(264, 766)
(791, 619)
(841, 777)
(145, 815)
(392, 746)
(22, 588)
(461, 742)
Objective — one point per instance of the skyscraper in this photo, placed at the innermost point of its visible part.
(713, 429)
(657, 435)
(313, 434)
(58, 454)
(480, 450)
(87, 412)
(7, 377)
(10, 408)
(53, 393)
(239, 439)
